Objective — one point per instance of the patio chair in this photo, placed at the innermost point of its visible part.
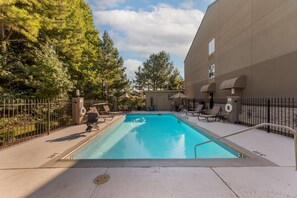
(92, 121)
(197, 111)
(104, 117)
(108, 112)
(212, 115)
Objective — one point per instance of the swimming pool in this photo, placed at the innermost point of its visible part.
(157, 136)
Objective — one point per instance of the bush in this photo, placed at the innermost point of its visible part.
(6, 137)
(43, 126)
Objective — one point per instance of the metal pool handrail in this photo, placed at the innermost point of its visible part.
(183, 111)
(254, 127)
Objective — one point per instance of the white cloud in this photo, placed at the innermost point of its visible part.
(146, 32)
(181, 71)
(208, 1)
(131, 66)
(104, 4)
(187, 4)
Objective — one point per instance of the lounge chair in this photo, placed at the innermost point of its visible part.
(107, 110)
(104, 117)
(212, 115)
(197, 111)
(92, 121)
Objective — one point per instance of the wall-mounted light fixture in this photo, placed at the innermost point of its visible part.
(77, 93)
(232, 91)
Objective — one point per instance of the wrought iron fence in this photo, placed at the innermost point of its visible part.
(23, 119)
(281, 111)
(254, 111)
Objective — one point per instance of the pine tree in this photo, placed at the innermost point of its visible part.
(158, 72)
(175, 81)
(112, 69)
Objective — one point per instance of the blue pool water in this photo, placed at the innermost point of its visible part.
(151, 136)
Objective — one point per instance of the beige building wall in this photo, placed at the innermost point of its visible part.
(254, 38)
(161, 99)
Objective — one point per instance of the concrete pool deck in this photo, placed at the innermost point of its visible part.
(22, 173)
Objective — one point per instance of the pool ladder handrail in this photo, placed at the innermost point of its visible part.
(254, 127)
(183, 111)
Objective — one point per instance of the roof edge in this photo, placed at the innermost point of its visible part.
(211, 4)
(199, 27)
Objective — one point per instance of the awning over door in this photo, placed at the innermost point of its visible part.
(208, 88)
(237, 82)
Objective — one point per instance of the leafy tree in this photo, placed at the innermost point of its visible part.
(51, 47)
(36, 72)
(90, 83)
(158, 72)
(18, 17)
(67, 28)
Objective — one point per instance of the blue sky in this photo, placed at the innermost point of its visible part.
(142, 27)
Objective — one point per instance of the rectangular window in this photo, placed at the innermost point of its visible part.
(211, 71)
(211, 47)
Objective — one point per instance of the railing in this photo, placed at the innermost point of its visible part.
(183, 111)
(254, 127)
(23, 119)
(281, 111)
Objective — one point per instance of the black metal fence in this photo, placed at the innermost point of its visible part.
(23, 119)
(281, 111)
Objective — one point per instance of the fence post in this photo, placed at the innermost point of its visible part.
(48, 116)
(268, 114)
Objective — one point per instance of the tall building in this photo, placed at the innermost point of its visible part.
(246, 48)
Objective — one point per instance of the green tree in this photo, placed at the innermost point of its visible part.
(175, 81)
(66, 26)
(140, 81)
(41, 38)
(112, 69)
(157, 72)
(35, 72)
(18, 17)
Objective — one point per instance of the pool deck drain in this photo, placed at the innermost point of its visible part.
(101, 179)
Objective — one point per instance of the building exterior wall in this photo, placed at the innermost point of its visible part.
(161, 99)
(254, 38)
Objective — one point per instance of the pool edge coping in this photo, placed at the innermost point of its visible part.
(252, 160)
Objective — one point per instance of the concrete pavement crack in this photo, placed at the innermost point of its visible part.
(225, 182)
(97, 185)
